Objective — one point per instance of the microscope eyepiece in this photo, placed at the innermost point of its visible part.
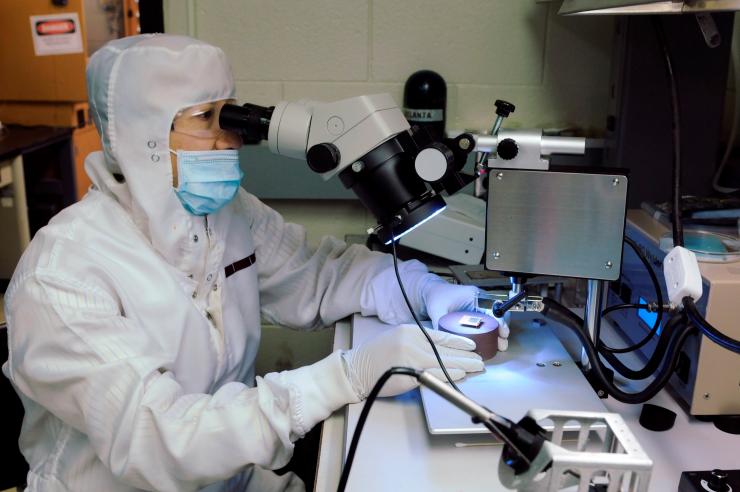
(250, 122)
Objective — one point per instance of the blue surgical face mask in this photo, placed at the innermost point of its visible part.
(208, 179)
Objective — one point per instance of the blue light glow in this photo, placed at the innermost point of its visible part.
(648, 317)
(436, 212)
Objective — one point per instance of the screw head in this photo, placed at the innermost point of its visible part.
(609, 264)
(358, 166)
(464, 143)
(557, 363)
(499, 176)
(541, 364)
(615, 182)
(496, 255)
(600, 393)
(706, 396)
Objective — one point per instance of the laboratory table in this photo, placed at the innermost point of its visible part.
(396, 451)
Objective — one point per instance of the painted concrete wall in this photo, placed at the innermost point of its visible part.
(554, 68)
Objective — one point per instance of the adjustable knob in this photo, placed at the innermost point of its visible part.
(718, 481)
(432, 163)
(504, 108)
(507, 149)
(323, 157)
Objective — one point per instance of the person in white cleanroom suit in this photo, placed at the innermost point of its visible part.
(134, 316)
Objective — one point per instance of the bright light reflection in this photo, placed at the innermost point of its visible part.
(417, 225)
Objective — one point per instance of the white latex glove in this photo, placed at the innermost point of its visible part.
(441, 297)
(503, 333)
(406, 346)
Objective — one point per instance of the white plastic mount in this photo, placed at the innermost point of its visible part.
(682, 275)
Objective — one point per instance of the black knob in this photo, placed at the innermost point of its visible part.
(504, 108)
(323, 157)
(465, 142)
(718, 480)
(507, 149)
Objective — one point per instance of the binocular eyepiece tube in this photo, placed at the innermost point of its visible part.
(250, 122)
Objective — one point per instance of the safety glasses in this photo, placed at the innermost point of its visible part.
(200, 120)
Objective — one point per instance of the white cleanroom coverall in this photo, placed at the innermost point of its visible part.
(131, 347)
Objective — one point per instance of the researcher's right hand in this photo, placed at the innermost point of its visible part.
(406, 346)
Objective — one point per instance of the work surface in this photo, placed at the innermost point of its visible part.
(396, 451)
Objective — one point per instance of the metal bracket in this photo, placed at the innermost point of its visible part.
(616, 462)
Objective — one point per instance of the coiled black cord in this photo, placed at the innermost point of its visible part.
(560, 313)
(655, 358)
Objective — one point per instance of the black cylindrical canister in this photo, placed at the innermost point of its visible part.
(424, 102)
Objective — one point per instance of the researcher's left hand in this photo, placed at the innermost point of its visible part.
(441, 297)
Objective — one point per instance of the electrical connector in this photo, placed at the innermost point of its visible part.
(682, 275)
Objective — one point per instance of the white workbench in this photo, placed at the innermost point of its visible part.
(396, 452)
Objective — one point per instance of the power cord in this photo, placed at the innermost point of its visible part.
(676, 131)
(659, 301)
(565, 316)
(619, 307)
(492, 426)
(654, 361)
(405, 371)
(707, 329)
(678, 238)
(413, 313)
(523, 441)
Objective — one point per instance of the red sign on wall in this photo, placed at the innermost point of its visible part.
(56, 34)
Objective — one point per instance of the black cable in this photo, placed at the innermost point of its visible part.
(619, 307)
(688, 303)
(676, 130)
(405, 371)
(653, 362)
(560, 313)
(646, 263)
(707, 329)
(635, 374)
(413, 314)
(491, 426)
(658, 299)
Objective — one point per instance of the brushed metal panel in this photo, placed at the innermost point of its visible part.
(556, 223)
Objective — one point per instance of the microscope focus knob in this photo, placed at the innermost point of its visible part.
(323, 157)
(507, 149)
(432, 163)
